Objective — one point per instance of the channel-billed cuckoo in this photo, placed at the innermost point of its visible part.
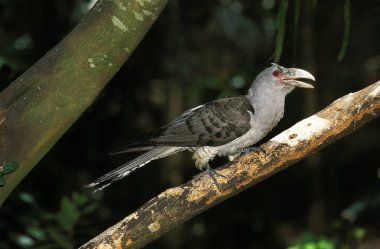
(223, 127)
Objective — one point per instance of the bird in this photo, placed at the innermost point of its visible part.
(226, 127)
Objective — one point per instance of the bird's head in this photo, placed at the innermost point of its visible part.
(283, 79)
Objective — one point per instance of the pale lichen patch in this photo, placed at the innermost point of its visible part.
(154, 227)
(127, 50)
(138, 16)
(110, 64)
(105, 246)
(141, 2)
(200, 192)
(116, 21)
(2, 120)
(91, 61)
(375, 92)
(174, 192)
(150, 14)
(131, 216)
(147, 12)
(303, 129)
(117, 241)
(120, 5)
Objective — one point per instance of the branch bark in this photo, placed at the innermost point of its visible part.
(178, 204)
(39, 106)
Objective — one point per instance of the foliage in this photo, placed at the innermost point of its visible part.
(224, 89)
(311, 241)
(281, 27)
(343, 235)
(8, 167)
(40, 229)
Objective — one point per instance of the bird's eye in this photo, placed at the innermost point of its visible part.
(276, 73)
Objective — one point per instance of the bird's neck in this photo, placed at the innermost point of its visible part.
(268, 104)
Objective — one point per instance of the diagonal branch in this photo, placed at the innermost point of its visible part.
(178, 204)
(39, 106)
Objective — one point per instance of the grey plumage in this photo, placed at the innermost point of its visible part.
(217, 128)
(212, 124)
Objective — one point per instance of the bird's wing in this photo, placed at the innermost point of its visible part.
(213, 124)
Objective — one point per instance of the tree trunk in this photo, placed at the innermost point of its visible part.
(39, 106)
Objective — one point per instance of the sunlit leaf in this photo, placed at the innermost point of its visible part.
(36, 232)
(24, 241)
(25, 41)
(26, 197)
(359, 233)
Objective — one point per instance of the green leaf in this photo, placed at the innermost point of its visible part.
(68, 215)
(79, 199)
(26, 197)
(90, 208)
(24, 241)
(359, 233)
(36, 232)
(347, 24)
(325, 244)
(8, 167)
(59, 237)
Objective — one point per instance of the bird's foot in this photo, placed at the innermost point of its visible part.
(212, 173)
(246, 150)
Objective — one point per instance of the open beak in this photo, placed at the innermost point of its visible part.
(297, 77)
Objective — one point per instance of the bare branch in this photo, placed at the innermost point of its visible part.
(176, 205)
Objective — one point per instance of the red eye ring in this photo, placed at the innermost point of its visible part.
(276, 73)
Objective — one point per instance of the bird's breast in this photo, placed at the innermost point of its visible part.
(262, 122)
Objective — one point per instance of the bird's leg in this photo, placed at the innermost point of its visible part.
(202, 157)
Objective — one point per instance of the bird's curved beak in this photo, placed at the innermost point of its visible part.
(296, 77)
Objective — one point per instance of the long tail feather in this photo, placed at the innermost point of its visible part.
(130, 149)
(129, 167)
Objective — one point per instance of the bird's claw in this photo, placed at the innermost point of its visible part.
(212, 173)
(246, 150)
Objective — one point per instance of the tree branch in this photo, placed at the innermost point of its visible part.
(178, 204)
(39, 106)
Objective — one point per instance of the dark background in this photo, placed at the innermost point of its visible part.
(195, 52)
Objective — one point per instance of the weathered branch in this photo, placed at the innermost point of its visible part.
(38, 107)
(176, 205)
